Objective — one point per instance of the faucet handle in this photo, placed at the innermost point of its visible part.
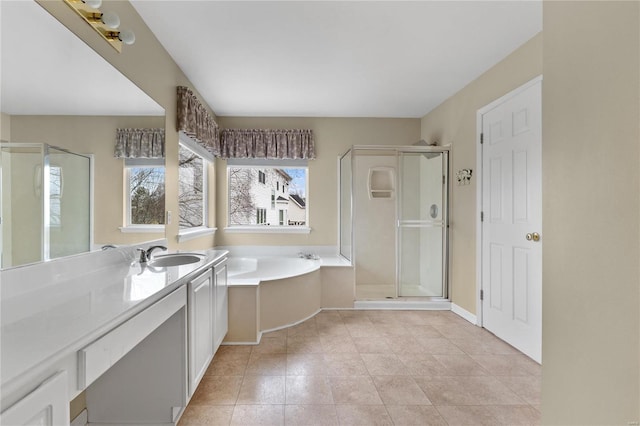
(143, 255)
(151, 249)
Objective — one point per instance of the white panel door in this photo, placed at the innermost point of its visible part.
(48, 405)
(221, 322)
(512, 223)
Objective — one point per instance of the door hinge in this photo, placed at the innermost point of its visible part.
(481, 216)
(443, 180)
(481, 138)
(481, 294)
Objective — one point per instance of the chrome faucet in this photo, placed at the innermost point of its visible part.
(309, 256)
(145, 255)
(107, 247)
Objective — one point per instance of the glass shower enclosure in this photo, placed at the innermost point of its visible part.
(45, 203)
(394, 220)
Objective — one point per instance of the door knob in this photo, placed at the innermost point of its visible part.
(533, 236)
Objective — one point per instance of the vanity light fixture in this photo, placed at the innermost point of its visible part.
(104, 23)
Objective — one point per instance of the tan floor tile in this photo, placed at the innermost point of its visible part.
(333, 332)
(484, 346)
(515, 414)
(227, 367)
(258, 415)
(267, 364)
(306, 365)
(439, 346)
(458, 331)
(460, 365)
(423, 331)
(233, 349)
(384, 365)
(310, 415)
(345, 364)
(354, 390)
(400, 390)
(363, 330)
(360, 415)
(343, 344)
(262, 390)
(414, 317)
(217, 390)
(302, 344)
(508, 365)
(467, 415)
(382, 317)
(271, 345)
(415, 415)
(213, 415)
(394, 330)
(308, 390)
(489, 390)
(372, 345)
(443, 390)
(422, 364)
(405, 344)
(277, 333)
(305, 329)
(526, 387)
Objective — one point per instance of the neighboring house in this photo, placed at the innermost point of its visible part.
(297, 210)
(261, 197)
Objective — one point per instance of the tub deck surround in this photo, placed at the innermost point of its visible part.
(271, 287)
(52, 310)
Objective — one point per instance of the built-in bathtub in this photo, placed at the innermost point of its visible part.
(242, 270)
(268, 293)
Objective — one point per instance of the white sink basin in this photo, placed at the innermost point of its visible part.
(176, 259)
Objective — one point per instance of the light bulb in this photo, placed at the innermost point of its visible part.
(127, 37)
(94, 4)
(111, 20)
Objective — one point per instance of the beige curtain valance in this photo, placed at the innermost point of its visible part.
(139, 143)
(196, 122)
(270, 144)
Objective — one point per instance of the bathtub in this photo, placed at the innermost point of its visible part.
(270, 293)
(268, 268)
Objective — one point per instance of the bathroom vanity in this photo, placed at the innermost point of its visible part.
(136, 338)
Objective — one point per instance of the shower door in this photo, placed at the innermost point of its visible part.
(422, 224)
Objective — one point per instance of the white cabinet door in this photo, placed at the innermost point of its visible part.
(222, 304)
(200, 303)
(48, 405)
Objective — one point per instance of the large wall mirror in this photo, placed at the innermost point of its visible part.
(63, 190)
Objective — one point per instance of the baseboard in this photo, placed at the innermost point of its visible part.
(464, 314)
(81, 419)
(401, 304)
(282, 327)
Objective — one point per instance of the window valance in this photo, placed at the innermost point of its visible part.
(196, 122)
(269, 144)
(139, 143)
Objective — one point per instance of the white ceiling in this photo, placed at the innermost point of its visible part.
(47, 70)
(336, 58)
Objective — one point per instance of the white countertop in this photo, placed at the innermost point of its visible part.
(60, 316)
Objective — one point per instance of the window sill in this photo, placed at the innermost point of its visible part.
(190, 234)
(267, 229)
(147, 229)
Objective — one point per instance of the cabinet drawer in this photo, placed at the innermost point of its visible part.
(100, 355)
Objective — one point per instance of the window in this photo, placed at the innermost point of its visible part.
(261, 216)
(251, 203)
(191, 189)
(145, 197)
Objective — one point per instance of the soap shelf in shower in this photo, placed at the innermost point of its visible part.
(381, 182)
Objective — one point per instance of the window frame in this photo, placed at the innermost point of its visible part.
(139, 163)
(262, 164)
(190, 144)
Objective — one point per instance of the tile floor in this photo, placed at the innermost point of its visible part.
(370, 368)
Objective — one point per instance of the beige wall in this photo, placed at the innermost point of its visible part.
(5, 127)
(92, 135)
(333, 137)
(150, 67)
(591, 213)
(454, 122)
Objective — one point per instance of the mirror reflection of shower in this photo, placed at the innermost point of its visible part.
(397, 221)
(45, 203)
